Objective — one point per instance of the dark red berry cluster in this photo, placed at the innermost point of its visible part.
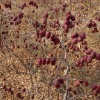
(19, 95)
(68, 23)
(48, 35)
(55, 24)
(95, 89)
(77, 37)
(79, 82)
(17, 19)
(90, 55)
(69, 89)
(43, 61)
(58, 82)
(36, 24)
(92, 24)
(63, 6)
(32, 3)
(23, 6)
(35, 47)
(97, 18)
(8, 89)
(7, 5)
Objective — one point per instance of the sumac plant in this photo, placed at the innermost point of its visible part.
(49, 50)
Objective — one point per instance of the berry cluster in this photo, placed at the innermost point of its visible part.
(90, 55)
(68, 23)
(97, 18)
(62, 7)
(93, 25)
(23, 6)
(7, 5)
(32, 3)
(55, 24)
(58, 82)
(77, 37)
(95, 89)
(43, 61)
(48, 35)
(19, 95)
(16, 20)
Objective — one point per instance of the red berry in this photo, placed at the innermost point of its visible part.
(72, 18)
(74, 91)
(66, 29)
(77, 63)
(24, 4)
(53, 61)
(70, 24)
(48, 34)
(52, 37)
(48, 60)
(39, 61)
(94, 87)
(77, 84)
(74, 35)
(85, 47)
(8, 5)
(95, 29)
(66, 21)
(88, 51)
(31, 2)
(43, 61)
(85, 83)
(32, 96)
(93, 54)
(56, 41)
(82, 35)
(89, 59)
(80, 65)
(89, 25)
(75, 40)
(95, 92)
(64, 4)
(81, 81)
(94, 24)
(69, 88)
(42, 33)
(81, 60)
(98, 87)
(85, 58)
(24, 90)
(15, 18)
(99, 19)
(98, 56)
(80, 39)
(68, 13)
(20, 15)
(57, 84)
(60, 80)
